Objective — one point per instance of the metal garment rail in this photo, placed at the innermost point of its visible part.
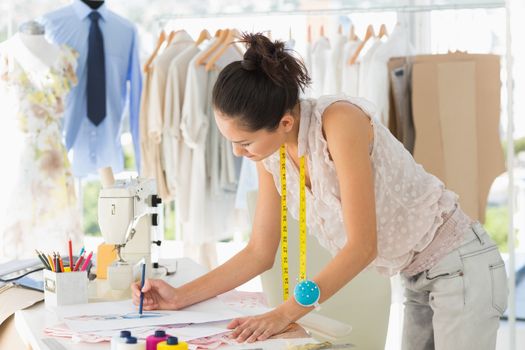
(338, 11)
(510, 171)
(506, 4)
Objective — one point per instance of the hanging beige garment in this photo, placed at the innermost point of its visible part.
(147, 164)
(456, 111)
(155, 111)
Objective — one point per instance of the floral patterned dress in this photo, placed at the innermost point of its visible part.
(42, 212)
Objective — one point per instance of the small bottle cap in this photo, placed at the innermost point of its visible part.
(125, 334)
(172, 341)
(131, 340)
(160, 334)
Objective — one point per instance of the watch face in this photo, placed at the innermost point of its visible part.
(307, 293)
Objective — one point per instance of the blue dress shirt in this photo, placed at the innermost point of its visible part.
(99, 146)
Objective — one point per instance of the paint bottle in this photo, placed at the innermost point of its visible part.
(172, 343)
(121, 338)
(131, 343)
(153, 340)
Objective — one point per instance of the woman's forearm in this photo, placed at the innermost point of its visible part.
(347, 264)
(242, 267)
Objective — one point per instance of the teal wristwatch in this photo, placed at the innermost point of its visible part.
(307, 293)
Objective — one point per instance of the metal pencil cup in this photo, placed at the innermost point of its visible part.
(65, 288)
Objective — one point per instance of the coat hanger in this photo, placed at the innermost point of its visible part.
(171, 36)
(321, 31)
(160, 41)
(202, 36)
(309, 34)
(352, 36)
(368, 35)
(382, 31)
(220, 39)
(229, 40)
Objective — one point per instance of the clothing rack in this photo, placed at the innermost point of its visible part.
(510, 171)
(322, 12)
(494, 4)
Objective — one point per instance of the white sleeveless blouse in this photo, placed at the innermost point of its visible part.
(409, 201)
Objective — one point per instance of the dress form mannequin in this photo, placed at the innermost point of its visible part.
(37, 77)
(33, 51)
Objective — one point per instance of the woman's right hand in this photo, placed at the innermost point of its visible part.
(158, 295)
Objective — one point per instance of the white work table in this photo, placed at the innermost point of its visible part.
(31, 322)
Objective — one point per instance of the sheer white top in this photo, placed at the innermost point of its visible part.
(409, 201)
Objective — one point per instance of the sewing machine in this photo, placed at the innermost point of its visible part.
(128, 216)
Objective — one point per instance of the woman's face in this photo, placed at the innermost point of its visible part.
(255, 145)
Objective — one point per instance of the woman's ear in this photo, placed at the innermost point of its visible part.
(287, 122)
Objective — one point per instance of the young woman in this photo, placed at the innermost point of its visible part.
(368, 202)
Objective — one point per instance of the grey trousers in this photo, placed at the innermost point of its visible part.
(458, 302)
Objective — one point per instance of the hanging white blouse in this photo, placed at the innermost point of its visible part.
(158, 84)
(334, 66)
(172, 141)
(198, 127)
(350, 72)
(378, 82)
(308, 64)
(409, 201)
(193, 128)
(320, 51)
(155, 112)
(365, 58)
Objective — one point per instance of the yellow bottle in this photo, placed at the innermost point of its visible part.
(172, 343)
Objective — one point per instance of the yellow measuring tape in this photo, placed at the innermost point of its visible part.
(284, 223)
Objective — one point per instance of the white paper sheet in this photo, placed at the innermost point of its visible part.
(184, 332)
(121, 315)
(196, 331)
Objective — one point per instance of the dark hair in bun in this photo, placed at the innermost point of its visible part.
(262, 87)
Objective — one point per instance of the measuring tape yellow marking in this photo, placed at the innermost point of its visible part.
(284, 223)
(302, 220)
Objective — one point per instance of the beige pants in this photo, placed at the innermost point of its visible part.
(457, 304)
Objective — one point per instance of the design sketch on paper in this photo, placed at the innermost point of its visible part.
(128, 316)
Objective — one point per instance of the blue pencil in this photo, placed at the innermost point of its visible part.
(142, 286)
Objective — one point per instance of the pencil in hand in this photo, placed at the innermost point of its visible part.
(141, 287)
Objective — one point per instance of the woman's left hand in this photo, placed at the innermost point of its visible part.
(259, 327)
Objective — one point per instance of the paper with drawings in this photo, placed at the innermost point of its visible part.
(183, 331)
(196, 331)
(123, 314)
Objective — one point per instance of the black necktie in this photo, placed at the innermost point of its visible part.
(96, 72)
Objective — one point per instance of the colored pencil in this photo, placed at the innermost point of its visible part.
(51, 263)
(61, 263)
(79, 261)
(55, 262)
(41, 257)
(86, 263)
(70, 246)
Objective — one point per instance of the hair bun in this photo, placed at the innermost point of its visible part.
(273, 59)
(248, 65)
(262, 87)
